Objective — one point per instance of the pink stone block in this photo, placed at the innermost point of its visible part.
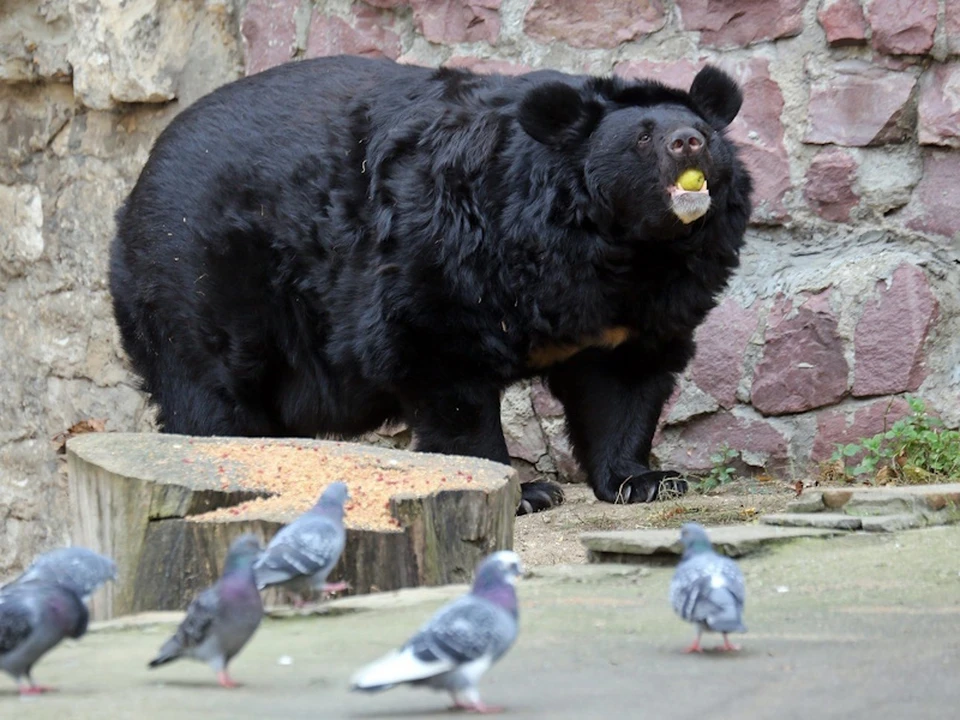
(858, 104)
(938, 120)
(828, 185)
(803, 365)
(890, 335)
(902, 27)
(704, 436)
(843, 22)
(369, 35)
(595, 24)
(738, 23)
(721, 345)
(842, 425)
(269, 33)
(936, 198)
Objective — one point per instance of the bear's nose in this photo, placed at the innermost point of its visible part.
(685, 142)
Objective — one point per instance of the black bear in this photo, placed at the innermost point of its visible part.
(340, 242)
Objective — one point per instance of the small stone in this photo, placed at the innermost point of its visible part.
(823, 520)
(893, 523)
(843, 22)
(803, 365)
(595, 24)
(938, 121)
(890, 335)
(857, 104)
(902, 27)
(835, 499)
(809, 502)
(729, 24)
(828, 185)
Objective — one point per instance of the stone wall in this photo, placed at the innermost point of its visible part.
(849, 292)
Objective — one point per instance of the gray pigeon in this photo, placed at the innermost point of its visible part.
(222, 618)
(460, 642)
(34, 617)
(707, 588)
(81, 568)
(302, 554)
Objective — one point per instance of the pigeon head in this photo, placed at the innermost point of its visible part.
(499, 568)
(495, 578)
(243, 553)
(694, 538)
(332, 499)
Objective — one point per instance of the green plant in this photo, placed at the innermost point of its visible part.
(721, 472)
(916, 448)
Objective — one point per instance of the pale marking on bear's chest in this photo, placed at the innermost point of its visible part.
(542, 357)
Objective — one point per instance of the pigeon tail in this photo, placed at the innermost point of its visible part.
(397, 667)
(170, 651)
(726, 618)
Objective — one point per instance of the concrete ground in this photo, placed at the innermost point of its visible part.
(863, 626)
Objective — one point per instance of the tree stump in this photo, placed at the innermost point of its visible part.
(166, 507)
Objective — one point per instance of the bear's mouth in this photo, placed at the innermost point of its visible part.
(689, 205)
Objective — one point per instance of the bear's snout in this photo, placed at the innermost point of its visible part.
(685, 142)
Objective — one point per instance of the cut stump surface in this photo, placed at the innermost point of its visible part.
(166, 507)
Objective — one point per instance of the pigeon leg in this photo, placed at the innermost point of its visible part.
(695, 645)
(31, 688)
(469, 700)
(336, 587)
(223, 677)
(727, 645)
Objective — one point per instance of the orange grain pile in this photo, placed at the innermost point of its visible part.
(293, 476)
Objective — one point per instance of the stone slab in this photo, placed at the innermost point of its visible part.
(658, 546)
(836, 521)
(808, 502)
(893, 523)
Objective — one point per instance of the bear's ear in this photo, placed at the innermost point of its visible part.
(717, 95)
(556, 114)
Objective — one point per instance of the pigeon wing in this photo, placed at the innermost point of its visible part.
(16, 623)
(464, 631)
(303, 548)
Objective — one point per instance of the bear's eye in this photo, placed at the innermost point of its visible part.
(644, 138)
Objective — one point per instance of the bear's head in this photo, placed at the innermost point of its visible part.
(653, 159)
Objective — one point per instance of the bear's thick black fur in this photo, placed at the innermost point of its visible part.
(339, 242)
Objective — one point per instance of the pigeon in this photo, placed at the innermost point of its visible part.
(302, 554)
(707, 589)
(35, 615)
(81, 568)
(460, 642)
(222, 618)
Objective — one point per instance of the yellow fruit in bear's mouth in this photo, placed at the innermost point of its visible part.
(691, 180)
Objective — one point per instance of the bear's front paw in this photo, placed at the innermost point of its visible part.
(539, 495)
(643, 487)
